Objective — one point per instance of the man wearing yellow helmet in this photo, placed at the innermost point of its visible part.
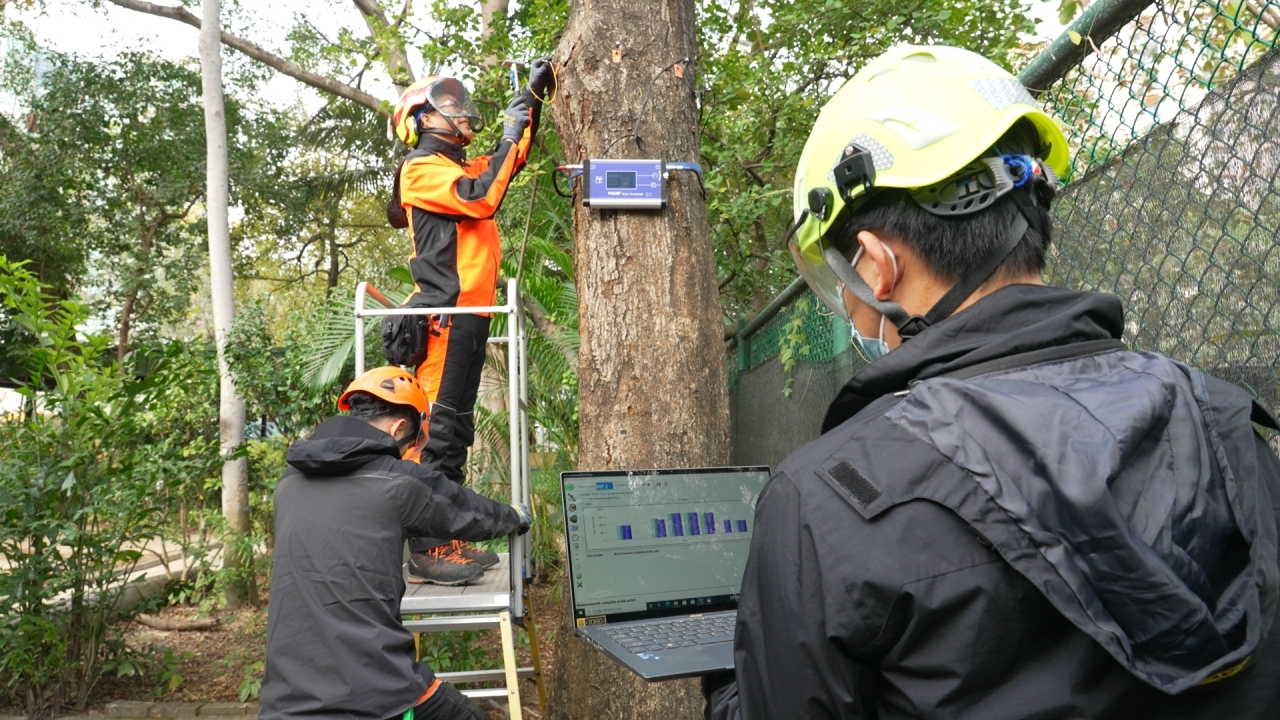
(448, 203)
(1009, 513)
(336, 646)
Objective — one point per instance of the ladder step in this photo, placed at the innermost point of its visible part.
(452, 623)
(469, 676)
(485, 693)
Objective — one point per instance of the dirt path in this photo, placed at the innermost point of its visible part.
(203, 666)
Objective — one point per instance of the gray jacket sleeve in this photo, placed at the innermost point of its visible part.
(432, 505)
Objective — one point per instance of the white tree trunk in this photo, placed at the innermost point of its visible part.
(235, 489)
(489, 8)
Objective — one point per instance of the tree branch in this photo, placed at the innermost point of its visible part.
(261, 54)
(387, 37)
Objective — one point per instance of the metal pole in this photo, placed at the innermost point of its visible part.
(1100, 21)
(360, 293)
(525, 490)
(516, 547)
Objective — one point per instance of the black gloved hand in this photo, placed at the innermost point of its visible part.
(514, 121)
(542, 79)
(526, 520)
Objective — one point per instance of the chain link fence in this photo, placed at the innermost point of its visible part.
(1172, 203)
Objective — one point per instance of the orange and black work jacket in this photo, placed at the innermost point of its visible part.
(450, 203)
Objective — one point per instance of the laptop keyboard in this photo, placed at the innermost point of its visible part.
(676, 633)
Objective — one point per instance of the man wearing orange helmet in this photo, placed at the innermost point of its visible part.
(448, 203)
(343, 509)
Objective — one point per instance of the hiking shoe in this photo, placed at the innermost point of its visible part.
(442, 566)
(484, 558)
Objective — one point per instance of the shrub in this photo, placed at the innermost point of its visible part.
(78, 488)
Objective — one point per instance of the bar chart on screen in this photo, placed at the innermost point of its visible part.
(640, 526)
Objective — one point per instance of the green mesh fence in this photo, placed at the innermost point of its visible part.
(805, 329)
(1173, 203)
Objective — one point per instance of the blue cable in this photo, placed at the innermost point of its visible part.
(695, 167)
(1024, 164)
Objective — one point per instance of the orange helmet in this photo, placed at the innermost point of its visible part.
(388, 383)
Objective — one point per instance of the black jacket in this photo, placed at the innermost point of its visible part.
(1088, 537)
(336, 647)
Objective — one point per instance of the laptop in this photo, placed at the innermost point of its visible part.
(656, 560)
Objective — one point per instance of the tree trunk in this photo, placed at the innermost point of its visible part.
(489, 8)
(122, 334)
(130, 300)
(235, 485)
(653, 390)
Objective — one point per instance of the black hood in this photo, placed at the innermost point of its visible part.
(1013, 320)
(1127, 484)
(341, 445)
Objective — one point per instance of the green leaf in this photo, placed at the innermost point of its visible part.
(401, 273)
(69, 482)
(1067, 12)
(128, 556)
(1075, 37)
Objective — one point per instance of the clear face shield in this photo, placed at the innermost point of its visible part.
(450, 98)
(814, 269)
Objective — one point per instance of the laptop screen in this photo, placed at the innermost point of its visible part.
(649, 543)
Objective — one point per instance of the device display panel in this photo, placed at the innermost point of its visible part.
(620, 180)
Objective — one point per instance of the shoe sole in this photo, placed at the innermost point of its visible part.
(421, 581)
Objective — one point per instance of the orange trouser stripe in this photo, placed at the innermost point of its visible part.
(432, 369)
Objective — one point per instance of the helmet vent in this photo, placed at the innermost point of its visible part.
(922, 57)
(919, 128)
(882, 73)
(1000, 93)
(387, 385)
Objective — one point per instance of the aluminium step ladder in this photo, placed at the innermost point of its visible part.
(498, 602)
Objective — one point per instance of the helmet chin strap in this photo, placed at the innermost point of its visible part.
(911, 325)
(453, 131)
(845, 273)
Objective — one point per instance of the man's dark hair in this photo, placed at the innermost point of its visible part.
(950, 246)
(370, 407)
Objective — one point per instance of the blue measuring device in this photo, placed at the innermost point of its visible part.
(624, 184)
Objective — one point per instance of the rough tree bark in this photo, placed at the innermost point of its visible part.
(652, 377)
(235, 473)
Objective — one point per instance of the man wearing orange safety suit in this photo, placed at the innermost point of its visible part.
(449, 203)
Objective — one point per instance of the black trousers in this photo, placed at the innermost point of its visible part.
(461, 341)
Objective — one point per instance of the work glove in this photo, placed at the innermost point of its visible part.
(542, 80)
(522, 511)
(515, 120)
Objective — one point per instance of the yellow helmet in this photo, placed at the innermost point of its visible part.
(913, 118)
(445, 95)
